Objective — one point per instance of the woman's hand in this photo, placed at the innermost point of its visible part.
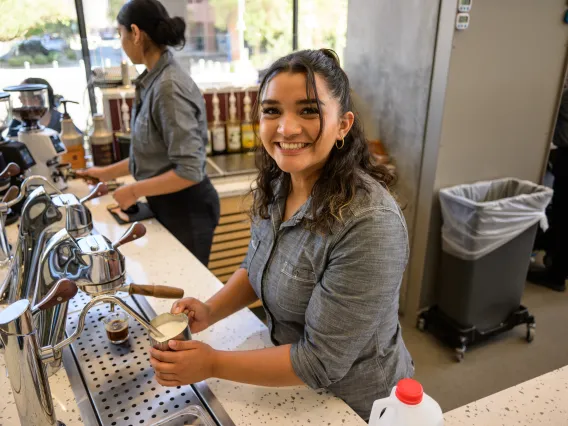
(199, 313)
(188, 362)
(125, 196)
(94, 174)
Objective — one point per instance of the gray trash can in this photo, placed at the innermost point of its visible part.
(487, 238)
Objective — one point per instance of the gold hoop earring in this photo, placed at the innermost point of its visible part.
(342, 143)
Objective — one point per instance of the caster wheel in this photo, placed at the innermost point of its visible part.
(530, 332)
(460, 354)
(421, 324)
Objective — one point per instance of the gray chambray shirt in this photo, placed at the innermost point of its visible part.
(169, 124)
(335, 297)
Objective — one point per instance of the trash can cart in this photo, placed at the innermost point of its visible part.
(487, 238)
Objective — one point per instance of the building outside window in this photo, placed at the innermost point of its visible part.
(228, 41)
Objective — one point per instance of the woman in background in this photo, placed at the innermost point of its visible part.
(169, 132)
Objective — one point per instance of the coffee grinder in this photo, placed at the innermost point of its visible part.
(11, 152)
(29, 104)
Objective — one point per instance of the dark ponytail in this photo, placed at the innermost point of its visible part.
(152, 17)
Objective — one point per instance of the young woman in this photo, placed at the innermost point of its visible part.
(169, 132)
(328, 250)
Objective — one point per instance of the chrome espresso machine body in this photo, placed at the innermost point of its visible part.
(43, 215)
(56, 254)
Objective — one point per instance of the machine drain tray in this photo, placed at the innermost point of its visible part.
(119, 378)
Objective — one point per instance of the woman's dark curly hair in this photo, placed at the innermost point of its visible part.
(343, 173)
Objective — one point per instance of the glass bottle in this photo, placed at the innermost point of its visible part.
(233, 127)
(218, 137)
(247, 127)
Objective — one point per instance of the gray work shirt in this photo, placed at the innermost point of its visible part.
(169, 124)
(335, 297)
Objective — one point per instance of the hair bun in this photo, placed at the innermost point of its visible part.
(331, 54)
(171, 32)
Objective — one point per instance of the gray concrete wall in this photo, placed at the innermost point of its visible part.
(498, 88)
(501, 102)
(389, 58)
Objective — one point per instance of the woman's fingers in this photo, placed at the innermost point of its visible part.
(164, 356)
(167, 376)
(183, 305)
(167, 383)
(162, 367)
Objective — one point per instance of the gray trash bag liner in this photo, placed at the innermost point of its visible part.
(481, 217)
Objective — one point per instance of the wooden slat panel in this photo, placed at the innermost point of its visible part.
(239, 226)
(226, 269)
(224, 278)
(224, 262)
(235, 217)
(256, 304)
(228, 253)
(228, 245)
(231, 236)
(235, 204)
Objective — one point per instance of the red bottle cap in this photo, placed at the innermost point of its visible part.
(409, 392)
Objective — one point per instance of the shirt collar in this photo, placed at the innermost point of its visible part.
(276, 210)
(146, 79)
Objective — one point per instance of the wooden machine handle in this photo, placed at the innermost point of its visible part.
(99, 190)
(137, 230)
(63, 291)
(159, 291)
(12, 169)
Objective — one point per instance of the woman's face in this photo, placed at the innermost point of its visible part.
(290, 123)
(130, 41)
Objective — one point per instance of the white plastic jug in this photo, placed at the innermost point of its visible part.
(407, 405)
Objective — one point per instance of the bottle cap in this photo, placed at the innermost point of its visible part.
(409, 392)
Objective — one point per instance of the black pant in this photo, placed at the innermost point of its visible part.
(191, 215)
(555, 239)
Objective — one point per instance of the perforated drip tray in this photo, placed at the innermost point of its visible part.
(119, 378)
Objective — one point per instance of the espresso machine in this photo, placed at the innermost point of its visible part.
(29, 104)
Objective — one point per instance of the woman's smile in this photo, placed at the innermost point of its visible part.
(292, 148)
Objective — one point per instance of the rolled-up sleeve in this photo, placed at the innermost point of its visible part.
(176, 115)
(353, 298)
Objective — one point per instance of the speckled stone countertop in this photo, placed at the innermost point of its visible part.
(158, 258)
(540, 401)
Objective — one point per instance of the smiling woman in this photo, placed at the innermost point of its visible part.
(305, 99)
(327, 254)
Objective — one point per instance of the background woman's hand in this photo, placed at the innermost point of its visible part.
(198, 312)
(125, 196)
(95, 173)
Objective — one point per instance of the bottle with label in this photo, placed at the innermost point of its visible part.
(218, 137)
(208, 147)
(248, 135)
(72, 139)
(102, 142)
(233, 127)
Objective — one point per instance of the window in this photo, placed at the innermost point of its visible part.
(44, 45)
(102, 34)
(230, 40)
(322, 23)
